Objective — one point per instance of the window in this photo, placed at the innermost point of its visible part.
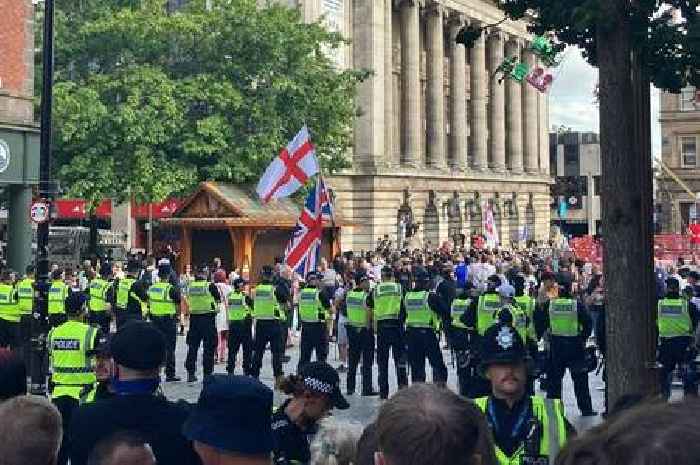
(596, 185)
(689, 151)
(571, 160)
(688, 99)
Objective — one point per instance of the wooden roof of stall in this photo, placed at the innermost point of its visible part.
(217, 205)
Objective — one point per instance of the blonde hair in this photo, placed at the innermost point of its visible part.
(335, 443)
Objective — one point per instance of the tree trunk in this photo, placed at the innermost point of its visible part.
(92, 239)
(627, 208)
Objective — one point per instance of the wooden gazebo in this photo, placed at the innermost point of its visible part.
(229, 221)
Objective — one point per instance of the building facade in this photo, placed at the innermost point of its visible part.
(680, 139)
(438, 138)
(575, 165)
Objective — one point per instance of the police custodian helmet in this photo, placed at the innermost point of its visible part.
(502, 345)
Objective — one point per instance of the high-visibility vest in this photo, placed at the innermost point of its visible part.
(527, 303)
(355, 302)
(123, 290)
(98, 289)
(563, 317)
(265, 305)
(387, 301)
(237, 307)
(310, 306)
(418, 313)
(550, 414)
(159, 298)
(9, 307)
(459, 308)
(58, 292)
(25, 292)
(71, 367)
(486, 312)
(200, 299)
(674, 318)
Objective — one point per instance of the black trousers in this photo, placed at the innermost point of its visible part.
(360, 345)
(267, 331)
(101, 320)
(168, 326)
(423, 343)
(390, 336)
(9, 334)
(66, 405)
(673, 352)
(314, 338)
(459, 342)
(57, 319)
(569, 355)
(122, 317)
(240, 335)
(202, 331)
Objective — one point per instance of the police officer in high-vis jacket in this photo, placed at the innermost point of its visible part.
(10, 314)
(314, 306)
(202, 298)
(164, 302)
(422, 329)
(240, 328)
(58, 293)
(268, 311)
(359, 303)
(72, 373)
(389, 316)
(526, 429)
(129, 301)
(676, 322)
(100, 292)
(25, 294)
(459, 336)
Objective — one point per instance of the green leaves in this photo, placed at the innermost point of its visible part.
(149, 103)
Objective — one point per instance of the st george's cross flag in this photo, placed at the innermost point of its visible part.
(290, 170)
(489, 226)
(303, 250)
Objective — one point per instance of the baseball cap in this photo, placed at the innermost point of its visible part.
(138, 345)
(322, 378)
(232, 414)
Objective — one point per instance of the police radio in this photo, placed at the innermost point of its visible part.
(532, 444)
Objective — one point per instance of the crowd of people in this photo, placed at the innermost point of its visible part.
(510, 320)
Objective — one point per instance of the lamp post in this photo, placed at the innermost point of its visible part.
(40, 312)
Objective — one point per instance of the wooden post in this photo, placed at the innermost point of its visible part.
(237, 250)
(247, 253)
(186, 257)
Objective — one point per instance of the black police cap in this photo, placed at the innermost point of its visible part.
(138, 345)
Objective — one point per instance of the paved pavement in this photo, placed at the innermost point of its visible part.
(364, 409)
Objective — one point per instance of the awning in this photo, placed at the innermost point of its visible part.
(77, 209)
(158, 210)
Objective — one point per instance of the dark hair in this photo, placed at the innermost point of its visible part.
(428, 424)
(367, 445)
(650, 434)
(293, 385)
(13, 375)
(104, 450)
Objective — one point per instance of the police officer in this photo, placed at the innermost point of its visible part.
(58, 293)
(568, 326)
(240, 328)
(422, 327)
(526, 429)
(359, 303)
(459, 337)
(527, 304)
(446, 291)
(389, 315)
(511, 312)
(314, 305)
(488, 305)
(10, 314)
(268, 315)
(202, 297)
(72, 374)
(100, 290)
(164, 301)
(676, 322)
(123, 295)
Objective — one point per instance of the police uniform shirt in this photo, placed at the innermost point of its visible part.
(139, 289)
(446, 292)
(541, 320)
(289, 442)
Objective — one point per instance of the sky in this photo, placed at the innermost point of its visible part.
(571, 101)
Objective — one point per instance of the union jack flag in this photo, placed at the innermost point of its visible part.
(304, 248)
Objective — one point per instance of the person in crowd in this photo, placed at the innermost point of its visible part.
(138, 350)
(314, 392)
(335, 443)
(240, 332)
(458, 336)
(314, 312)
(359, 304)
(367, 445)
(428, 425)
(203, 299)
(131, 296)
(341, 325)
(10, 313)
(13, 375)
(222, 322)
(230, 425)
(58, 293)
(164, 302)
(122, 448)
(282, 278)
(103, 368)
(99, 292)
(33, 435)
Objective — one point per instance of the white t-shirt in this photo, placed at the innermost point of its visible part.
(222, 315)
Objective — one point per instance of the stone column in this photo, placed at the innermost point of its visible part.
(478, 79)
(530, 117)
(514, 122)
(458, 104)
(389, 84)
(411, 88)
(19, 228)
(497, 106)
(543, 120)
(436, 87)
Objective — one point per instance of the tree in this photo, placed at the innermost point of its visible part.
(151, 102)
(633, 43)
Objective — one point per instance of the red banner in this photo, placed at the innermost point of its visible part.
(587, 249)
(158, 210)
(77, 209)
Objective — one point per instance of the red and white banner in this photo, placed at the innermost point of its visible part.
(489, 225)
(290, 170)
(77, 209)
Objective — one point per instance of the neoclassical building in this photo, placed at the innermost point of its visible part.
(438, 137)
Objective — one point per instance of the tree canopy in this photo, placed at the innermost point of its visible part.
(148, 102)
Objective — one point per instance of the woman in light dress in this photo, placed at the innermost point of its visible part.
(220, 280)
